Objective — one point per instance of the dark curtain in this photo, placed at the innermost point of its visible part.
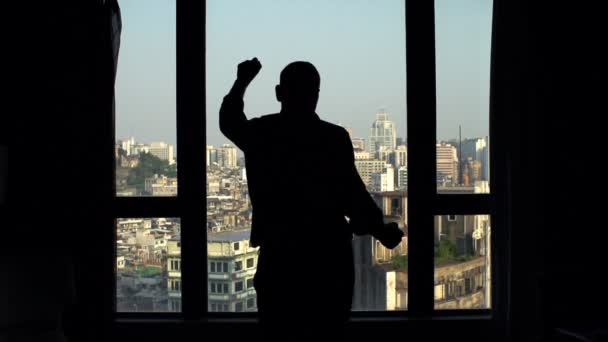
(548, 95)
(56, 220)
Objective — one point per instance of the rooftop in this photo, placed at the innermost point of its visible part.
(237, 235)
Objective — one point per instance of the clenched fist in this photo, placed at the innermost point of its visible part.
(247, 70)
(390, 236)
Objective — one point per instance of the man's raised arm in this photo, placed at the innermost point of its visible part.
(233, 122)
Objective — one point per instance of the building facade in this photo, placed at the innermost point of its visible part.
(382, 133)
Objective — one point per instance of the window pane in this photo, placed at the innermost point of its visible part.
(463, 39)
(148, 265)
(359, 50)
(145, 149)
(462, 262)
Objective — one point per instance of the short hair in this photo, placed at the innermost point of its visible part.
(302, 75)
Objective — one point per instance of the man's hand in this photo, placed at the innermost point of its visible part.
(247, 70)
(390, 236)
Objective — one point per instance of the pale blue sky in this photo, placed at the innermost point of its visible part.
(358, 46)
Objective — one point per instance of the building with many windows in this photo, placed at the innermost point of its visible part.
(174, 275)
(232, 264)
(447, 164)
(162, 151)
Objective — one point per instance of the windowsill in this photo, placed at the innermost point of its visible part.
(481, 317)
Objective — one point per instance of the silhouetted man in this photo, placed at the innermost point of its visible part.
(303, 184)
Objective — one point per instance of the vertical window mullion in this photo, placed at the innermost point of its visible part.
(191, 130)
(421, 135)
(500, 179)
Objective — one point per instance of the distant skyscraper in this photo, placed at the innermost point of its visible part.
(382, 133)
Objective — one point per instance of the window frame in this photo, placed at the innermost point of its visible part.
(423, 200)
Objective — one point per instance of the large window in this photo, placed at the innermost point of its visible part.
(145, 150)
(362, 89)
(422, 150)
(463, 40)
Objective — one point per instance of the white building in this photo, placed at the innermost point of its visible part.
(385, 180)
(128, 145)
(402, 177)
(174, 275)
(400, 156)
(140, 148)
(211, 155)
(232, 264)
(162, 151)
(447, 164)
(363, 155)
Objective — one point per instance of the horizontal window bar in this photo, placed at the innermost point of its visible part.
(463, 204)
(146, 207)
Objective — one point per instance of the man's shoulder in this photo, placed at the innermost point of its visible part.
(333, 129)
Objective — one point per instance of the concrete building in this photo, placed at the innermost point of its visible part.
(174, 275)
(211, 155)
(143, 265)
(160, 186)
(128, 146)
(232, 264)
(400, 156)
(162, 151)
(402, 178)
(386, 154)
(478, 149)
(226, 156)
(367, 167)
(447, 165)
(358, 144)
(363, 155)
(463, 285)
(385, 180)
(457, 229)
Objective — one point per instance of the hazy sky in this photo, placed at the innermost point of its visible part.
(357, 46)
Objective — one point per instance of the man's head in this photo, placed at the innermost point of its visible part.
(298, 90)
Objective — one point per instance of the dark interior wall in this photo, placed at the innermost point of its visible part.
(53, 217)
(557, 232)
(572, 63)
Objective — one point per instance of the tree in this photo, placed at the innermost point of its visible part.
(399, 262)
(445, 251)
(148, 166)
